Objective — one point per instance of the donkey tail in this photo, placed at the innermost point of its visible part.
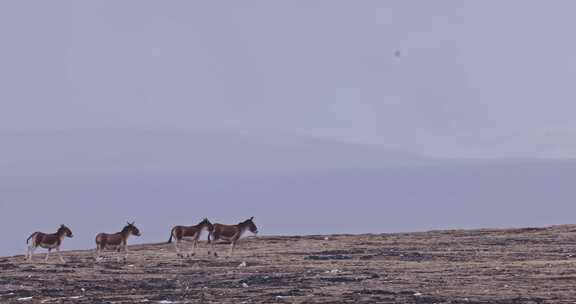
(171, 235)
(31, 236)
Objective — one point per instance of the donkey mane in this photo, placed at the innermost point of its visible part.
(126, 229)
(61, 230)
(246, 222)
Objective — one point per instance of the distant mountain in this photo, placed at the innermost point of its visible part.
(119, 151)
(552, 142)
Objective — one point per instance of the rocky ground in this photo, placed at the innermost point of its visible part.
(533, 265)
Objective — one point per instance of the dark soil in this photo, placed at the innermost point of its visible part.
(531, 265)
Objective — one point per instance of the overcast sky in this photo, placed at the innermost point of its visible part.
(443, 78)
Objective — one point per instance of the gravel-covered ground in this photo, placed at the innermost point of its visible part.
(532, 265)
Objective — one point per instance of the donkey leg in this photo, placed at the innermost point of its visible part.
(60, 255)
(235, 240)
(125, 252)
(119, 253)
(212, 238)
(194, 244)
(47, 254)
(178, 253)
(98, 253)
(30, 253)
(213, 249)
(231, 249)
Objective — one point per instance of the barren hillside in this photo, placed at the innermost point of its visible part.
(532, 265)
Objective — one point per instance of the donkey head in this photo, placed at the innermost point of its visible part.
(132, 229)
(206, 223)
(251, 226)
(65, 231)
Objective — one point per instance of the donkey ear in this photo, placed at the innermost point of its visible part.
(251, 218)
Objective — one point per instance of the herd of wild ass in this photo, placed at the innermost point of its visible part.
(118, 241)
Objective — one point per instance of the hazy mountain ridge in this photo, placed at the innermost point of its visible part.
(124, 150)
(160, 181)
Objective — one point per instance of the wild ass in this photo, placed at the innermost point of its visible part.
(116, 241)
(48, 241)
(231, 233)
(189, 233)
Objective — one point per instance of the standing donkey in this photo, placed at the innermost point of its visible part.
(116, 241)
(189, 233)
(48, 241)
(231, 233)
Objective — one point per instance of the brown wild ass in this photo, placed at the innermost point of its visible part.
(231, 233)
(48, 241)
(116, 241)
(189, 233)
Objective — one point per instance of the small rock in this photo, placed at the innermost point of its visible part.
(417, 294)
(243, 264)
(244, 285)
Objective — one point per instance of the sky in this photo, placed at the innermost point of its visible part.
(350, 116)
(442, 78)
